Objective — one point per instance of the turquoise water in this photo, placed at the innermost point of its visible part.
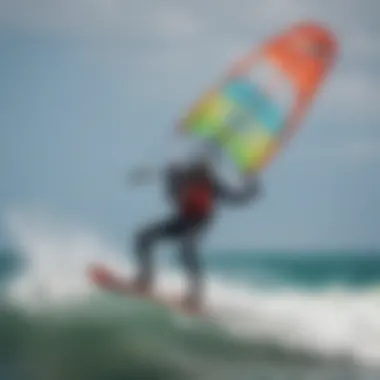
(352, 269)
(305, 325)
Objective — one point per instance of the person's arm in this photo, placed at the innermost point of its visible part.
(141, 176)
(250, 190)
(172, 178)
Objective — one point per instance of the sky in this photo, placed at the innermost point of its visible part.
(92, 88)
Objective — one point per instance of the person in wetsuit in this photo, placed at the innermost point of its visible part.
(194, 192)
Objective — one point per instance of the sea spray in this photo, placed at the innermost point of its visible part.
(330, 323)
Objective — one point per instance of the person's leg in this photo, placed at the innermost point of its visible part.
(144, 243)
(192, 264)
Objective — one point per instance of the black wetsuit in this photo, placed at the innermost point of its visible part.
(194, 192)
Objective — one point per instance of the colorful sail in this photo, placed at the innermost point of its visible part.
(255, 109)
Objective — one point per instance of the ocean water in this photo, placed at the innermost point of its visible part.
(273, 315)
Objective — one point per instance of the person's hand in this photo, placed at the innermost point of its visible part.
(249, 175)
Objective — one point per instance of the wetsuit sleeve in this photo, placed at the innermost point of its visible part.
(250, 190)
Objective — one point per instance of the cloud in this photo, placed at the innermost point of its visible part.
(56, 15)
(351, 95)
(194, 36)
(364, 46)
(177, 23)
(361, 150)
(185, 16)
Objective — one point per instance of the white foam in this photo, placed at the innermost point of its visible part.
(330, 322)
